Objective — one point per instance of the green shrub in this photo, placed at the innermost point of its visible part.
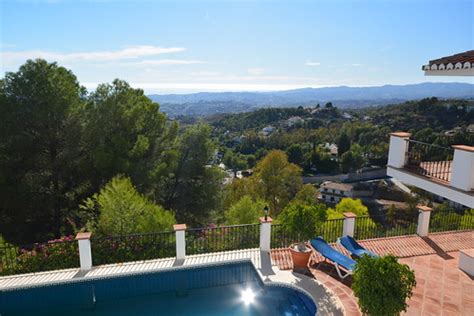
(382, 285)
(122, 210)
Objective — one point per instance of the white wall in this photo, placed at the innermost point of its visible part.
(451, 72)
(453, 194)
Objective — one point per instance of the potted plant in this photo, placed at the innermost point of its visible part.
(300, 220)
(382, 285)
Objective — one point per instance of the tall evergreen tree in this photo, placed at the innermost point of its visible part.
(40, 151)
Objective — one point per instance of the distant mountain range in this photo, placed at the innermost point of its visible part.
(208, 103)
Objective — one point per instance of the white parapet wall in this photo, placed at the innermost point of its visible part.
(463, 168)
(180, 231)
(398, 148)
(459, 190)
(348, 226)
(265, 233)
(423, 227)
(450, 193)
(85, 253)
(466, 261)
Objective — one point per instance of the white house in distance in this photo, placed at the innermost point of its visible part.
(333, 149)
(294, 120)
(447, 172)
(267, 130)
(333, 192)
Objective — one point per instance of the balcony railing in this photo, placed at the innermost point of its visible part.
(430, 160)
(330, 230)
(380, 226)
(134, 247)
(223, 238)
(452, 221)
(69, 253)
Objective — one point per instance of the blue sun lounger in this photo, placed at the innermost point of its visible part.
(354, 247)
(339, 259)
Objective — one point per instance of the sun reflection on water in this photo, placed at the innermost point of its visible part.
(248, 296)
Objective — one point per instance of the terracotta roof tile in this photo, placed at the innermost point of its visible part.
(467, 56)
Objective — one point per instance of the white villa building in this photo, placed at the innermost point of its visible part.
(447, 172)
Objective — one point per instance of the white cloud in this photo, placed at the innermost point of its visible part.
(311, 63)
(204, 73)
(133, 52)
(357, 65)
(255, 71)
(161, 62)
(7, 45)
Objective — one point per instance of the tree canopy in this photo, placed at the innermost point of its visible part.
(245, 211)
(280, 180)
(60, 144)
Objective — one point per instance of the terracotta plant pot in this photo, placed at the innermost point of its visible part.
(300, 259)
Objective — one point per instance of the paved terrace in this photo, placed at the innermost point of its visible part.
(442, 289)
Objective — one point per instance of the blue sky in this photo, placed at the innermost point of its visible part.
(188, 46)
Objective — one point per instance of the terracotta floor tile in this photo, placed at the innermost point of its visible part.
(412, 312)
(417, 296)
(451, 307)
(449, 313)
(435, 294)
(431, 311)
(428, 301)
(450, 298)
(465, 312)
(415, 304)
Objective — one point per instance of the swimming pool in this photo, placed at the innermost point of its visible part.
(220, 289)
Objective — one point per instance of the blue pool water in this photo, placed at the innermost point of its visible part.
(228, 289)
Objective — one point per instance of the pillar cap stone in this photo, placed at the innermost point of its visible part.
(83, 235)
(424, 208)
(262, 219)
(464, 147)
(179, 227)
(401, 134)
(349, 215)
